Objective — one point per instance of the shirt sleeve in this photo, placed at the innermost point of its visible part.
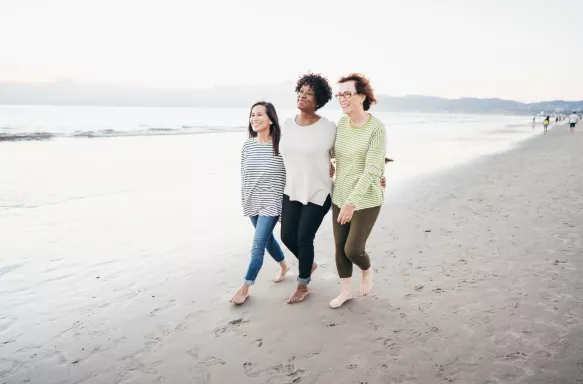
(335, 132)
(243, 174)
(373, 168)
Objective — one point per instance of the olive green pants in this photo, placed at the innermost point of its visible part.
(350, 239)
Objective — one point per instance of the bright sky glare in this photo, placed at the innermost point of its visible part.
(526, 50)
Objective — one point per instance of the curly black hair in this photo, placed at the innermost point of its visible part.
(320, 86)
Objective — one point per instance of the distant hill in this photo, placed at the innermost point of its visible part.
(68, 93)
(474, 105)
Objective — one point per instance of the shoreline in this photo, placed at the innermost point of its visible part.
(477, 270)
(286, 106)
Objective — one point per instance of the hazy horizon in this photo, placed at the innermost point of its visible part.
(290, 82)
(520, 50)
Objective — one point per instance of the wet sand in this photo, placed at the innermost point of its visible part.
(478, 280)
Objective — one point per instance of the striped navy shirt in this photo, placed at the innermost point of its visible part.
(262, 179)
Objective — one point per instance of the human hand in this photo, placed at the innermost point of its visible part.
(383, 182)
(345, 214)
(332, 170)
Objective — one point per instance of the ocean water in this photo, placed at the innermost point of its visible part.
(85, 151)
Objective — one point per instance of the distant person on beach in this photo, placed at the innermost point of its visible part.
(306, 145)
(557, 120)
(262, 183)
(573, 120)
(358, 196)
(546, 123)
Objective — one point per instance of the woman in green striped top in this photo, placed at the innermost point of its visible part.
(358, 194)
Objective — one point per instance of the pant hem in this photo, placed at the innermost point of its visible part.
(248, 282)
(303, 281)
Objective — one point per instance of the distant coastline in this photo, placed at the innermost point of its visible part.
(72, 94)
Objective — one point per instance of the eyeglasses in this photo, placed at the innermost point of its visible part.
(345, 95)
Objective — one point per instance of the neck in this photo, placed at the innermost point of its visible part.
(307, 118)
(263, 136)
(358, 118)
(308, 114)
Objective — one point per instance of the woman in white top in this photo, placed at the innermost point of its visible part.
(306, 144)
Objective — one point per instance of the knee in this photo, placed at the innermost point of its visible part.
(305, 240)
(353, 252)
(260, 243)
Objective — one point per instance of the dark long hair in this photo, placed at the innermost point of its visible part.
(274, 129)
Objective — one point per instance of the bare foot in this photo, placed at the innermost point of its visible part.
(283, 270)
(299, 295)
(241, 295)
(366, 285)
(342, 298)
(314, 267)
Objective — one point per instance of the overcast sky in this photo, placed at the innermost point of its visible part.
(527, 50)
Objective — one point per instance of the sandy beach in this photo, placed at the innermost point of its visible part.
(478, 280)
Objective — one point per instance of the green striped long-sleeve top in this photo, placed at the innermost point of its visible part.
(360, 164)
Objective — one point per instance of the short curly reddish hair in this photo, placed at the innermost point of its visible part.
(363, 87)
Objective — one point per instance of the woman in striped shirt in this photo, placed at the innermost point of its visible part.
(358, 193)
(262, 184)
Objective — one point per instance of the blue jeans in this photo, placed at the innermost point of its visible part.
(262, 240)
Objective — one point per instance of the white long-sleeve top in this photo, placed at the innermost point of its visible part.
(306, 155)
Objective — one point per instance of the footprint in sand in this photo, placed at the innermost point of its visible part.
(394, 349)
(152, 341)
(286, 369)
(285, 374)
(312, 354)
(439, 367)
(231, 326)
(514, 356)
(212, 361)
(330, 325)
(157, 311)
(208, 362)
(250, 370)
(165, 330)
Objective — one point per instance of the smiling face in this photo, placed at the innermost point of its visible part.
(351, 103)
(258, 119)
(306, 100)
